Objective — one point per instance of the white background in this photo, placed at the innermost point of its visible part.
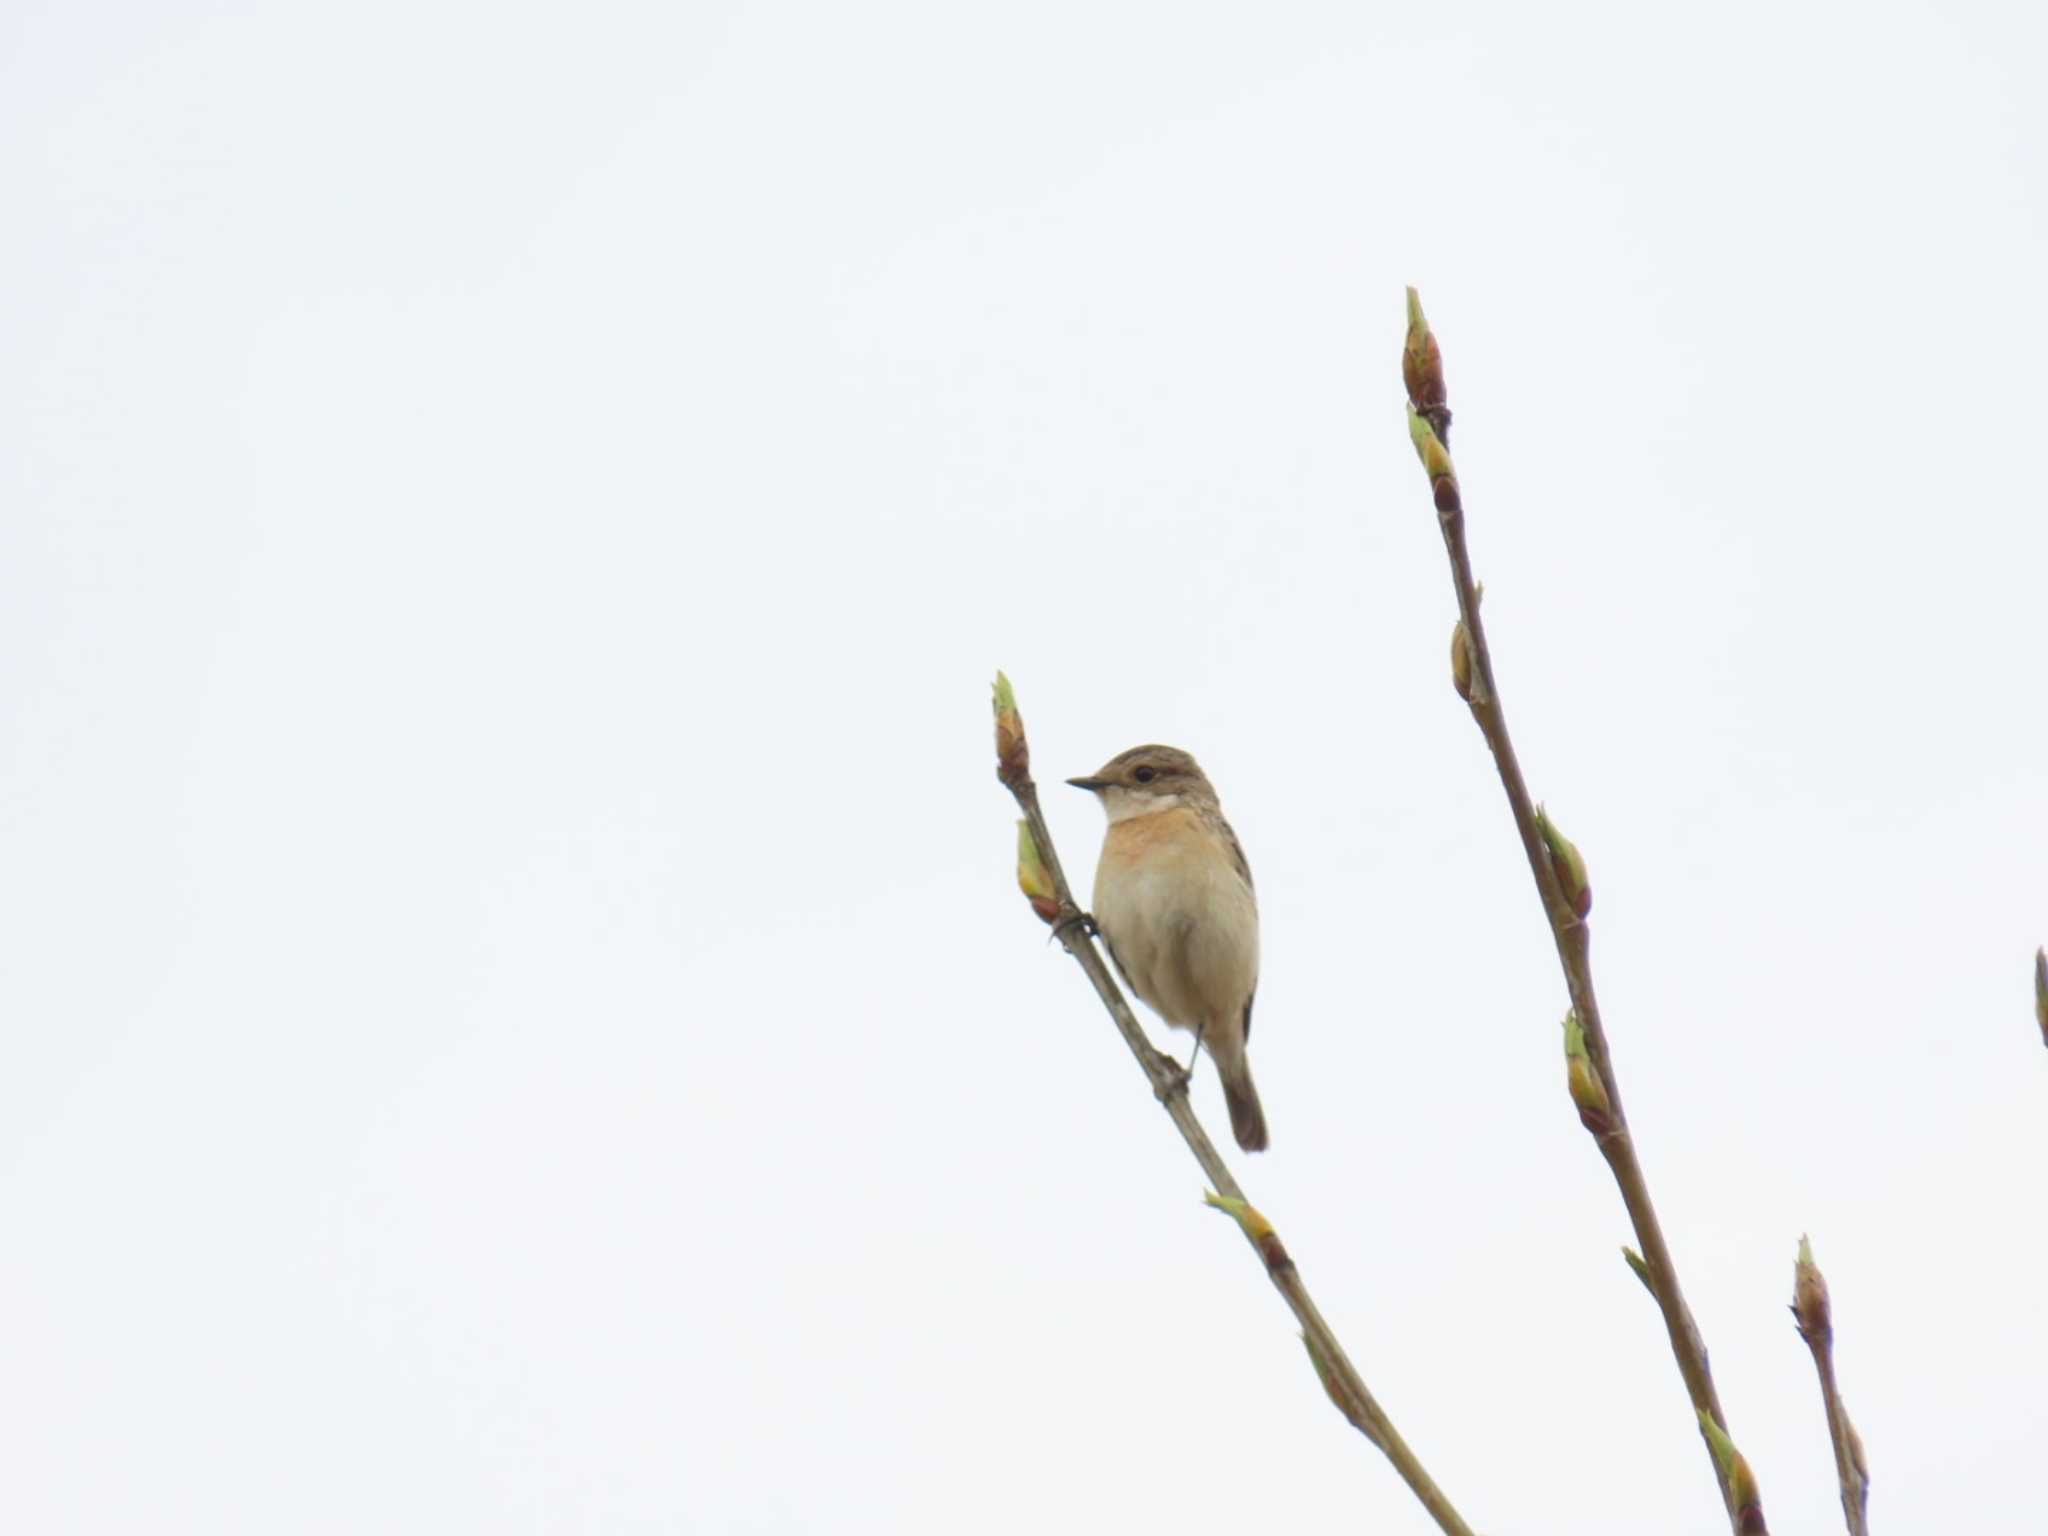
(515, 1013)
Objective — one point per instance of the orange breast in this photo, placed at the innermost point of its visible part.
(1162, 835)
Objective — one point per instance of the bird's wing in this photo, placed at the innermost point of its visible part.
(1244, 871)
(1237, 858)
(1102, 933)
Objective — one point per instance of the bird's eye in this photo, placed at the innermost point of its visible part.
(1144, 775)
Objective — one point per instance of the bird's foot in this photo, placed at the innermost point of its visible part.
(1075, 917)
(1169, 1077)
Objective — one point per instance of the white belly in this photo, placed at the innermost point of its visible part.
(1185, 930)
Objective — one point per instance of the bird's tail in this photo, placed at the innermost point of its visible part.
(1247, 1119)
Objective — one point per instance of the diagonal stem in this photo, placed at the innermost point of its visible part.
(1855, 1486)
(1813, 1313)
(1340, 1377)
(1569, 933)
(1573, 942)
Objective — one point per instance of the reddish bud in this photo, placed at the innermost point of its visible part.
(1013, 753)
(1810, 1298)
(1742, 1489)
(2041, 992)
(1422, 363)
(1033, 879)
(1582, 1081)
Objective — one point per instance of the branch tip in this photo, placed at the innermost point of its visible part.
(1422, 361)
(1013, 752)
(2041, 992)
(1813, 1313)
(1810, 1298)
(1561, 879)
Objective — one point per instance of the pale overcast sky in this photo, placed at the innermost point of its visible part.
(516, 1016)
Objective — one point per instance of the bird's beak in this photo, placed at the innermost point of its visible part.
(1093, 786)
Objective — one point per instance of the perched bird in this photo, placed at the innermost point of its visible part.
(1173, 900)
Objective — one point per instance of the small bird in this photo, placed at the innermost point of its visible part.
(1174, 902)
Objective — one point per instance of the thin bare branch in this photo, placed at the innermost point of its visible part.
(1561, 883)
(1814, 1313)
(1044, 883)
